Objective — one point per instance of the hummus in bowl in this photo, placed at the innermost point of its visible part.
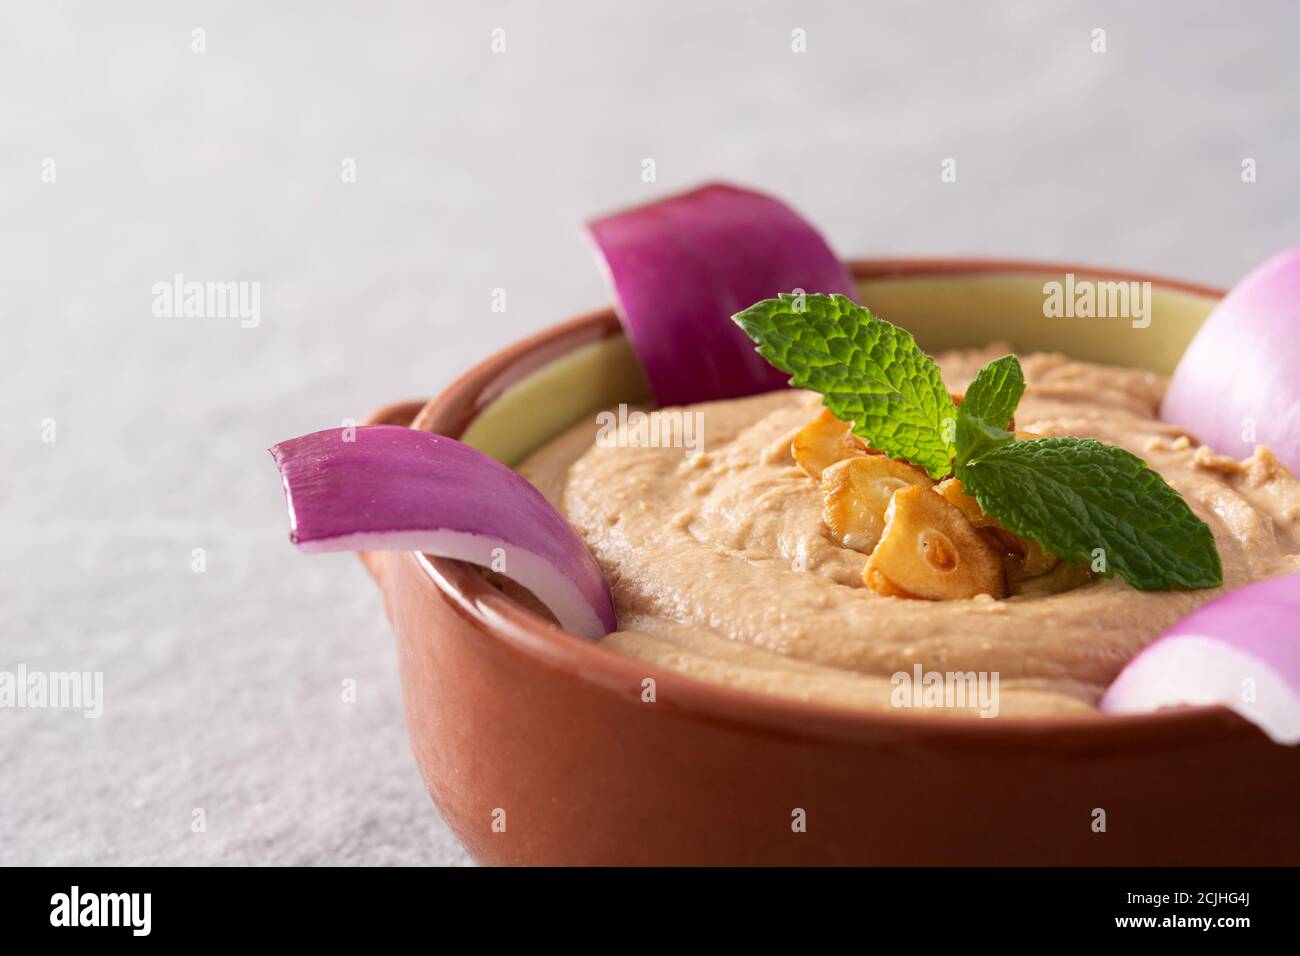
(723, 569)
(602, 754)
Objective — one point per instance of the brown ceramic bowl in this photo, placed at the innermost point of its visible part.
(514, 721)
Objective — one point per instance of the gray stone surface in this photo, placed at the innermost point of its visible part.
(223, 688)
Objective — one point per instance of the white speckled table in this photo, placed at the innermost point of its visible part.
(128, 157)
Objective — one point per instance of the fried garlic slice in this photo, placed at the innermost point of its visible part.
(856, 493)
(824, 441)
(929, 550)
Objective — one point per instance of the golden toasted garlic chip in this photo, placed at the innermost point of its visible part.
(857, 491)
(953, 492)
(1023, 559)
(824, 441)
(929, 550)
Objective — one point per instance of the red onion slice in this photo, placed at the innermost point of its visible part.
(680, 269)
(1241, 650)
(399, 489)
(1238, 383)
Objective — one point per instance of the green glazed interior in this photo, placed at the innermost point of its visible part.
(942, 311)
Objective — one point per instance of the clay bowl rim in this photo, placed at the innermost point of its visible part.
(493, 614)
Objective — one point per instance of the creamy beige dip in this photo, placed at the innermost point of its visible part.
(722, 569)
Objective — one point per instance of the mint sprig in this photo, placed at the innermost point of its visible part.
(976, 437)
(986, 410)
(996, 391)
(1097, 505)
(1082, 500)
(869, 372)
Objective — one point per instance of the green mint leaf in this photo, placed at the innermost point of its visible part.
(996, 391)
(869, 372)
(1074, 496)
(986, 410)
(976, 437)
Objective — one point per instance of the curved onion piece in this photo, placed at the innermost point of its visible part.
(1238, 383)
(399, 489)
(1241, 650)
(681, 267)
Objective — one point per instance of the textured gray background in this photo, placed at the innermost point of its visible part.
(474, 169)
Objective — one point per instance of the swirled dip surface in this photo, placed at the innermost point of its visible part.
(722, 569)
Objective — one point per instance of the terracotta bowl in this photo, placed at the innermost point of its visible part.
(537, 748)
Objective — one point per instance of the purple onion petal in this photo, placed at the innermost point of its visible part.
(401, 489)
(680, 269)
(1243, 367)
(1241, 650)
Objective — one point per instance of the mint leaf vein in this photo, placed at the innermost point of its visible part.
(869, 371)
(996, 391)
(1074, 496)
